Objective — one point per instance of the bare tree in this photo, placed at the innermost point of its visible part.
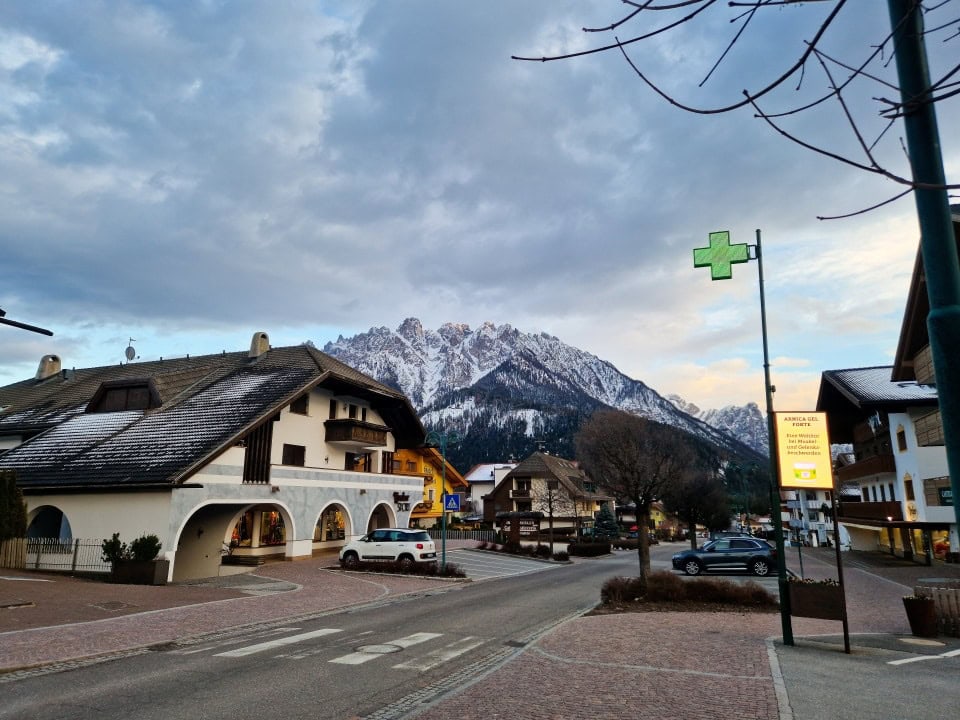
(699, 497)
(635, 459)
(866, 73)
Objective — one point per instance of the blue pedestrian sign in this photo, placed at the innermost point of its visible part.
(452, 503)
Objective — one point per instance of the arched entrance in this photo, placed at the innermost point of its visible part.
(216, 531)
(330, 529)
(381, 517)
(49, 522)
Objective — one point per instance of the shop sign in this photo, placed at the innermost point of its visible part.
(803, 450)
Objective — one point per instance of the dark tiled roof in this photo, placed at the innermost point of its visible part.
(873, 386)
(208, 402)
(542, 465)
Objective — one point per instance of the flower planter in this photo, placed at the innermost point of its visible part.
(816, 600)
(922, 616)
(140, 572)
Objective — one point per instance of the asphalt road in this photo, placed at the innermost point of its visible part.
(364, 661)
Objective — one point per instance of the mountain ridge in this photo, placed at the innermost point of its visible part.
(504, 390)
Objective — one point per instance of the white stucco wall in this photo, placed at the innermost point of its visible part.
(97, 516)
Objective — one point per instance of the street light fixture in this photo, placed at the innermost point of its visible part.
(439, 439)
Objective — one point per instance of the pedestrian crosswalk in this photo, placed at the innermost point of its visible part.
(417, 652)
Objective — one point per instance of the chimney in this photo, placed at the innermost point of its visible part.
(259, 344)
(49, 366)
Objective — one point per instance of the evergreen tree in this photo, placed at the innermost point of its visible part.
(606, 526)
(13, 511)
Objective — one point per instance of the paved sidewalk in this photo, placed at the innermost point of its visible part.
(640, 665)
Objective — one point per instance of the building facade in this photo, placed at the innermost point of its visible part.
(275, 451)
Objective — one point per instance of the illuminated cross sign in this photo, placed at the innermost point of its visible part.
(720, 256)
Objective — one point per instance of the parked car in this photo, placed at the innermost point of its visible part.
(403, 545)
(728, 533)
(736, 553)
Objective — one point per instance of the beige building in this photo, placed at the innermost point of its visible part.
(275, 451)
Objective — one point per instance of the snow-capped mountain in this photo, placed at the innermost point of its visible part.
(744, 422)
(504, 389)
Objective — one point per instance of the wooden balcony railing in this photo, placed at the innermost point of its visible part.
(854, 511)
(868, 466)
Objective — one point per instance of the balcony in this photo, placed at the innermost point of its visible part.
(355, 434)
(876, 465)
(875, 511)
(520, 493)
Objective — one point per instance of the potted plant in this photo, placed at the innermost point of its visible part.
(137, 563)
(816, 598)
(921, 614)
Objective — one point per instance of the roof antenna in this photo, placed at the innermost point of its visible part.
(130, 352)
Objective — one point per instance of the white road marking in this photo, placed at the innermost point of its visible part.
(279, 642)
(359, 658)
(921, 658)
(437, 657)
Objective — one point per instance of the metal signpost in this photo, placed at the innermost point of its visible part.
(720, 257)
(432, 439)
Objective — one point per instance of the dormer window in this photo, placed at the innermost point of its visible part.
(120, 395)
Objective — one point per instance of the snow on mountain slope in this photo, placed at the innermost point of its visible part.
(497, 374)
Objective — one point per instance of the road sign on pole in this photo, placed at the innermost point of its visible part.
(452, 503)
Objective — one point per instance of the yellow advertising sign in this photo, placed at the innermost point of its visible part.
(803, 450)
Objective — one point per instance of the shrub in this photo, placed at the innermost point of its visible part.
(113, 550)
(145, 548)
(542, 551)
(626, 544)
(426, 570)
(664, 586)
(561, 556)
(618, 590)
(483, 545)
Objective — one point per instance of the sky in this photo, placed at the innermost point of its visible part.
(186, 174)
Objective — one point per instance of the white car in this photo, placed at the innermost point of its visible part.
(401, 545)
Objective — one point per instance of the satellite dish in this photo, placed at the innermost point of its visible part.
(130, 352)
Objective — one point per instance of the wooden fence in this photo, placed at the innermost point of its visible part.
(947, 600)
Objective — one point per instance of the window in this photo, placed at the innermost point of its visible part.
(873, 490)
(430, 494)
(908, 489)
(363, 414)
(866, 494)
(411, 465)
(353, 412)
(333, 409)
(890, 486)
(883, 494)
(125, 395)
(294, 455)
(300, 405)
(901, 438)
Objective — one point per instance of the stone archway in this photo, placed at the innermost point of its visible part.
(49, 521)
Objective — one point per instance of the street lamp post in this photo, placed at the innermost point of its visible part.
(434, 439)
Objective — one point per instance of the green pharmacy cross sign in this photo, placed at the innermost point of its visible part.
(720, 256)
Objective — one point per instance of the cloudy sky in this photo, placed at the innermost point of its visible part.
(185, 174)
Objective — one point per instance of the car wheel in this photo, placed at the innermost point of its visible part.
(350, 560)
(760, 567)
(406, 562)
(692, 567)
